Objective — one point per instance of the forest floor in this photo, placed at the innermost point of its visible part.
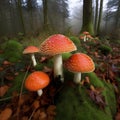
(29, 106)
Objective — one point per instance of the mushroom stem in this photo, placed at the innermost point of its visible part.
(84, 38)
(33, 59)
(58, 67)
(40, 92)
(77, 77)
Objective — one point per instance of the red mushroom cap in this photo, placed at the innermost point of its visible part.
(37, 80)
(89, 36)
(79, 62)
(86, 33)
(81, 37)
(57, 44)
(30, 49)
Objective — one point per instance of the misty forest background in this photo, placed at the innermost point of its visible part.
(31, 17)
(26, 23)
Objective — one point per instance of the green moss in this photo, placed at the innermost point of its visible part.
(76, 41)
(78, 106)
(12, 50)
(94, 80)
(75, 103)
(66, 55)
(108, 91)
(105, 49)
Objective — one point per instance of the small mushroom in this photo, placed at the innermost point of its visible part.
(31, 50)
(36, 81)
(79, 63)
(54, 46)
(85, 35)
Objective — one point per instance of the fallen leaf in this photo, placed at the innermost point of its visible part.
(98, 98)
(6, 114)
(51, 110)
(36, 104)
(1, 69)
(6, 62)
(9, 77)
(117, 117)
(87, 80)
(92, 88)
(47, 69)
(42, 115)
(3, 90)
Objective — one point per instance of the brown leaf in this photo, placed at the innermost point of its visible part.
(1, 69)
(6, 62)
(36, 115)
(98, 98)
(43, 58)
(9, 77)
(96, 54)
(24, 118)
(117, 117)
(3, 90)
(6, 114)
(92, 88)
(87, 80)
(51, 110)
(111, 74)
(43, 115)
(47, 69)
(36, 104)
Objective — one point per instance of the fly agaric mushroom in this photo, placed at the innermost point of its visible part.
(85, 37)
(31, 50)
(36, 81)
(55, 45)
(79, 63)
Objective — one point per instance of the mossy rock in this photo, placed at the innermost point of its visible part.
(12, 50)
(75, 103)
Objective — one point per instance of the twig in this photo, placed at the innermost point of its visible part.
(19, 104)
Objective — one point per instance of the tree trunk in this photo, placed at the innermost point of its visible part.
(96, 16)
(87, 17)
(21, 16)
(45, 15)
(117, 22)
(100, 16)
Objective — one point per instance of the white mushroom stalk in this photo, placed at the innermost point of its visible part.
(58, 67)
(77, 77)
(33, 60)
(85, 38)
(31, 50)
(40, 92)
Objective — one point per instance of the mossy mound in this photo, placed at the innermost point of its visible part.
(12, 50)
(76, 41)
(73, 102)
(105, 49)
